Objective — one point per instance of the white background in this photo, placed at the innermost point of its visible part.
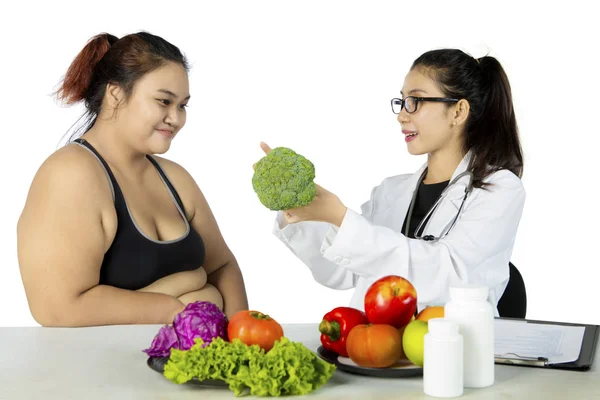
(317, 76)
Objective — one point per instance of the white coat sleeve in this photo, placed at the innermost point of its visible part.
(308, 241)
(485, 231)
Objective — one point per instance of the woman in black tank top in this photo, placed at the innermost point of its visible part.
(134, 260)
(138, 249)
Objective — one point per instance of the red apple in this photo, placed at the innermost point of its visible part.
(391, 300)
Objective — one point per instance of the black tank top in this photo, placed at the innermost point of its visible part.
(427, 195)
(134, 260)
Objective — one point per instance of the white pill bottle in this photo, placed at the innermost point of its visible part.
(443, 359)
(470, 309)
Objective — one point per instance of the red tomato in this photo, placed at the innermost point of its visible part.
(253, 327)
(391, 300)
(374, 346)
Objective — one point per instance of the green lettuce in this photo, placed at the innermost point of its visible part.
(289, 368)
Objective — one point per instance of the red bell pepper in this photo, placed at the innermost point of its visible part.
(336, 326)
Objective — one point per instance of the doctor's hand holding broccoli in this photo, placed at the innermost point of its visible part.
(284, 181)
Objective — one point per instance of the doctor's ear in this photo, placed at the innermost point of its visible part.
(460, 112)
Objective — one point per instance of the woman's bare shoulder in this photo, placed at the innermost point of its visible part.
(178, 175)
(72, 167)
(184, 183)
(173, 169)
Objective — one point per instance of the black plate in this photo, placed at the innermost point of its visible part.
(158, 364)
(402, 369)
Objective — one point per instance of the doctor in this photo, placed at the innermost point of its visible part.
(452, 221)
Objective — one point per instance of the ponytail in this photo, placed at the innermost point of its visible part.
(498, 146)
(79, 75)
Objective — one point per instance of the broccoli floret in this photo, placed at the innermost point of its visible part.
(283, 179)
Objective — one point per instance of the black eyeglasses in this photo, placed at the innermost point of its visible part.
(411, 103)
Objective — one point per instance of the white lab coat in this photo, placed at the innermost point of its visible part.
(370, 245)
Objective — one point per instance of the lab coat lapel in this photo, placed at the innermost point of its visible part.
(455, 194)
(401, 198)
(450, 204)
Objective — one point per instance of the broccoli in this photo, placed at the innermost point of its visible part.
(283, 180)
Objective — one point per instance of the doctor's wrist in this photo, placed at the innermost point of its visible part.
(338, 216)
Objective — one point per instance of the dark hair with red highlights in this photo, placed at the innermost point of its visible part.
(491, 132)
(107, 59)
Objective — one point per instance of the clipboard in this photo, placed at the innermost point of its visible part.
(583, 363)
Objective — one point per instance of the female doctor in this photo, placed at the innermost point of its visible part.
(452, 221)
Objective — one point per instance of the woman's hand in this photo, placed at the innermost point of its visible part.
(325, 207)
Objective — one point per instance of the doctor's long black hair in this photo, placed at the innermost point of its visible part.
(491, 131)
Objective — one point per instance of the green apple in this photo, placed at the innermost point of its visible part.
(413, 340)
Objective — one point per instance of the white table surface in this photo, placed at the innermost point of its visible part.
(107, 363)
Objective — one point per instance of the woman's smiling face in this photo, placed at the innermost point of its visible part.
(155, 112)
(430, 128)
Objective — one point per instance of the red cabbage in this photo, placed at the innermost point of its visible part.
(163, 342)
(200, 319)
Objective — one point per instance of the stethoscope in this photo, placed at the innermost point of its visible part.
(429, 238)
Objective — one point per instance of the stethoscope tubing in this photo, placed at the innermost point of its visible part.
(431, 212)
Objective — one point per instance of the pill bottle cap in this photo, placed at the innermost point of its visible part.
(469, 292)
(442, 326)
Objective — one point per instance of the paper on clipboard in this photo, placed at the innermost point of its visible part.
(557, 343)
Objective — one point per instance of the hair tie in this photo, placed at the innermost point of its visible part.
(111, 39)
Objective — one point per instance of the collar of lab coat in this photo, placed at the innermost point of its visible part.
(454, 194)
(462, 167)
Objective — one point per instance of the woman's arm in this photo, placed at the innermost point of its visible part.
(61, 243)
(309, 230)
(220, 264)
(228, 280)
(477, 250)
(305, 240)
